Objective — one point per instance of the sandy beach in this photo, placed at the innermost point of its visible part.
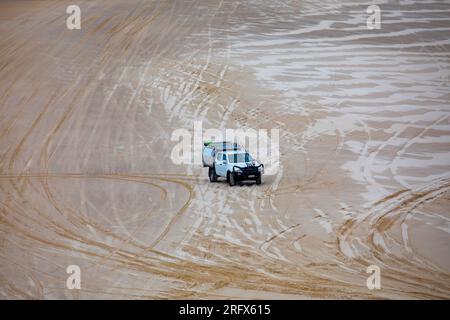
(87, 178)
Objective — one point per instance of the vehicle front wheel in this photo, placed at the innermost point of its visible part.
(212, 175)
(258, 179)
(231, 179)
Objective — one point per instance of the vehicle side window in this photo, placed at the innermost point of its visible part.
(224, 158)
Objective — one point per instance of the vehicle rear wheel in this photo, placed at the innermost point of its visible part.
(258, 179)
(231, 179)
(212, 175)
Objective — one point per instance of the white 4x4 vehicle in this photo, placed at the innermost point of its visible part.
(232, 162)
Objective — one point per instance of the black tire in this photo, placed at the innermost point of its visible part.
(231, 179)
(258, 179)
(212, 175)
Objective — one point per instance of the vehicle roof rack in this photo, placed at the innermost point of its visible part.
(223, 146)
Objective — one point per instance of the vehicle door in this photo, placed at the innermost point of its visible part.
(221, 164)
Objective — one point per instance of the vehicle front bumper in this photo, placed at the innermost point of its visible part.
(247, 173)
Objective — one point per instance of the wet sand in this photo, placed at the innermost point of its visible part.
(86, 176)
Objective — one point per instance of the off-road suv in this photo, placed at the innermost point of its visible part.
(232, 162)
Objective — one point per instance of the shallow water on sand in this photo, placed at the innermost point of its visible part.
(86, 174)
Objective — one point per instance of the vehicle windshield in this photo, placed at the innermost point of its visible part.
(239, 157)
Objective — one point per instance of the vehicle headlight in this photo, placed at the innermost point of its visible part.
(237, 170)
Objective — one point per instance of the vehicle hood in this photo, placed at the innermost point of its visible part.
(245, 164)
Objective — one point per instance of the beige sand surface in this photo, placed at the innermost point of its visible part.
(86, 176)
